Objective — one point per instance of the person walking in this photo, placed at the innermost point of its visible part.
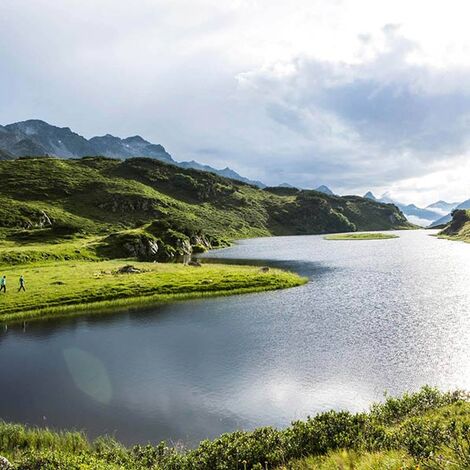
(3, 284)
(22, 284)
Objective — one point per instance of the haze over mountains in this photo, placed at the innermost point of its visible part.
(434, 214)
(36, 137)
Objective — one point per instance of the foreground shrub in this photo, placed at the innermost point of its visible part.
(427, 428)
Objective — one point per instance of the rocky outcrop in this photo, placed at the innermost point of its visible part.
(25, 217)
(5, 464)
(142, 247)
(200, 244)
(128, 204)
(39, 220)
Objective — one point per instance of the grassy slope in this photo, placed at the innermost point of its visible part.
(54, 212)
(361, 236)
(459, 227)
(63, 287)
(100, 196)
(426, 429)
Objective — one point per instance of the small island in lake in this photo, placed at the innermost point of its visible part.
(361, 236)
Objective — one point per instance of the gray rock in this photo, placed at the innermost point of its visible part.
(5, 464)
(142, 248)
(128, 269)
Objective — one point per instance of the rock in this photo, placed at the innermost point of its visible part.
(38, 220)
(264, 269)
(196, 264)
(5, 464)
(44, 220)
(184, 246)
(142, 248)
(128, 204)
(128, 269)
(200, 244)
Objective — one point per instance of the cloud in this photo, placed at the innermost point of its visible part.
(319, 93)
(378, 120)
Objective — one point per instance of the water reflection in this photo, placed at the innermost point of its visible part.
(376, 316)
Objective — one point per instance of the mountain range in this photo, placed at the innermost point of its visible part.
(38, 138)
(35, 137)
(437, 213)
(321, 189)
(448, 217)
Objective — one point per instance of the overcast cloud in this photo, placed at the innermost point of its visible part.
(355, 94)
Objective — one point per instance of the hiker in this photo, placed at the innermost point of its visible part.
(22, 284)
(3, 284)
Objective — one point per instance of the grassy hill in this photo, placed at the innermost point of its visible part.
(427, 430)
(459, 227)
(151, 210)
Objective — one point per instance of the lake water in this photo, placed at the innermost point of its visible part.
(375, 317)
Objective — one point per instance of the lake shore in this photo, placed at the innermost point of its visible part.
(423, 428)
(71, 288)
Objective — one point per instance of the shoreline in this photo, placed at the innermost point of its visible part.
(410, 428)
(112, 293)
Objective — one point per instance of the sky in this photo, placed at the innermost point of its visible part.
(355, 94)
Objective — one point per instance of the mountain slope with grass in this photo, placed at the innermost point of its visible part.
(459, 226)
(150, 210)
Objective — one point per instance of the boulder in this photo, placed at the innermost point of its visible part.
(128, 269)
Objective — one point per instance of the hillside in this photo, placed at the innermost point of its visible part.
(459, 227)
(147, 209)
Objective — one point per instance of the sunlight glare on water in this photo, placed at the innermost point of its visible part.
(376, 316)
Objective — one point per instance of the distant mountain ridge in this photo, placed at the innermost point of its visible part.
(448, 217)
(321, 189)
(443, 206)
(325, 190)
(35, 137)
(428, 216)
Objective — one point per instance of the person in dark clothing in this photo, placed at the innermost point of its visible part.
(3, 284)
(22, 287)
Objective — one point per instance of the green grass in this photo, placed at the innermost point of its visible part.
(172, 206)
(59, 219)
(458, 228)
(353, 460)
(361, 236)
(67, 287)
(426, 430)
(41, 248)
